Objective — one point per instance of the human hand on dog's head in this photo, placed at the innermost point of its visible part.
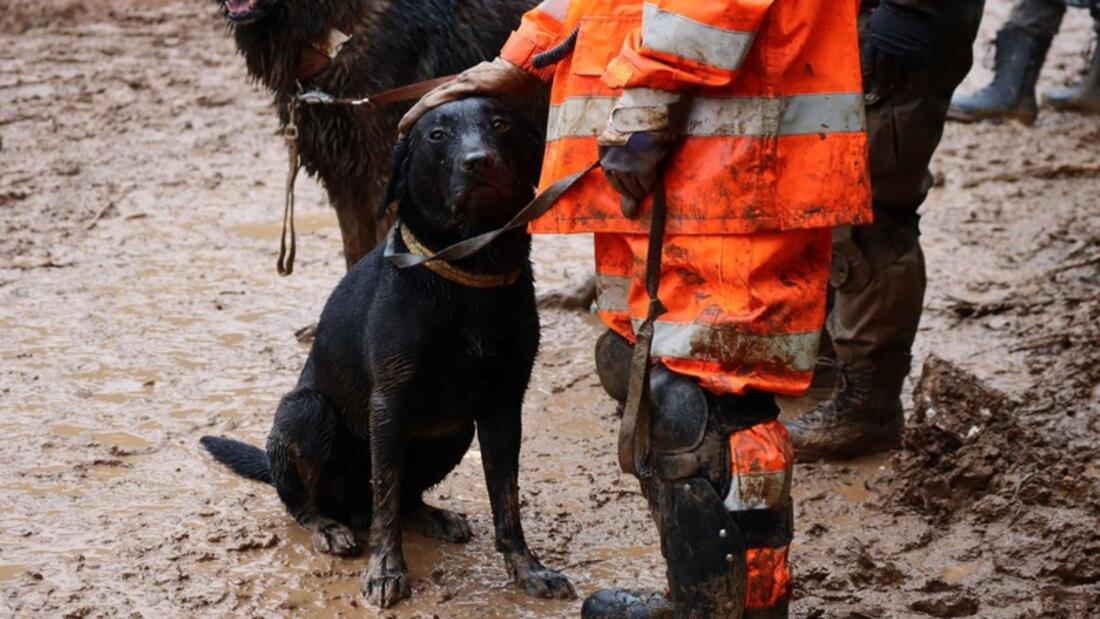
(490, 79)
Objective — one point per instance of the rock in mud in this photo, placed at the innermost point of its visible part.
(952, 451)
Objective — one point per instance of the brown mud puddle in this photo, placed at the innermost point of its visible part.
(139, 310)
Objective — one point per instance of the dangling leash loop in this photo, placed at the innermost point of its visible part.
(285, 263)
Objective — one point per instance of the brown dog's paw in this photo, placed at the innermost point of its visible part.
(441, 524)
(386, 586)
(543, 582)
(333, 538)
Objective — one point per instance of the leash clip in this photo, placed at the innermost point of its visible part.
(320, 97)
(290, 132)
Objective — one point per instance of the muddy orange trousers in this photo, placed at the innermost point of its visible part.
(744, 312)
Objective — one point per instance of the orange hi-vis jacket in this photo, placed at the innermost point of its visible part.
(774, 132)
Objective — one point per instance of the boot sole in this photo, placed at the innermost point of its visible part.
(887, 443)
(968, 117)
(1090, 109)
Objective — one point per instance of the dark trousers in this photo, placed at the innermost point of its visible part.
(1043, 18)
(878, 269)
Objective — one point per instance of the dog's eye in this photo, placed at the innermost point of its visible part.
(437, 136)
(501, 125)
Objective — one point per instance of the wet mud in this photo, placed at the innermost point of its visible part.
(140, 183)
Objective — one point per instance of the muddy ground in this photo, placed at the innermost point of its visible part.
(140, 183)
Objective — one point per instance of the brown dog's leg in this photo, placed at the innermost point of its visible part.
(499, 438)
(360, 229)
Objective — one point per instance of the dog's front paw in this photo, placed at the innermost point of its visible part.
(331, 537)
(387, 582)
(541, 581)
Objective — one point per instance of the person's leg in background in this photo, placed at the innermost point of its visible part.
(1021, 47)
(878, 269)
(744, 315)
(1084, 96)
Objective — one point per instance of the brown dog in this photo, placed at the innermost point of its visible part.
(355, 48)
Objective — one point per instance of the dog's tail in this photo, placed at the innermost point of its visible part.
(244, 459)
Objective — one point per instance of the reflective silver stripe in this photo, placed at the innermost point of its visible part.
(726, 116)
(758, 491)
(667, 32)
(555, 8)
(725, 343)
(612, 293)
(579, 117)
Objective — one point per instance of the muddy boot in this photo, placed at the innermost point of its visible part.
(1011, 94)
(879, 281)
(623, 604)
(864, 416)
(1084, 97)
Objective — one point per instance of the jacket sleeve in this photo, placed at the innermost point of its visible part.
(540, 29)
(686, 43)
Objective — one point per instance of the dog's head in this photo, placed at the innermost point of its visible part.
(466, 166)
(243, 12)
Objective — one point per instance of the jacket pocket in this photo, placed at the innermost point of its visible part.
(599, 41)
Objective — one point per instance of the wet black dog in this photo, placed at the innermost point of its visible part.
(389, 43)
(409, 364)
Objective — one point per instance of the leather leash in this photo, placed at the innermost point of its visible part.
(474, 244)
(288, 241)
(285, 263)
(636, 427)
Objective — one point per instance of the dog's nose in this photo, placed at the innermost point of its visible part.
(478, 160)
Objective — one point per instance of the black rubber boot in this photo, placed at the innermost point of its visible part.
(1084, 97)
(624, 604)
(1011, 94)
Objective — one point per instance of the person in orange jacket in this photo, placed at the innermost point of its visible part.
(751, 112)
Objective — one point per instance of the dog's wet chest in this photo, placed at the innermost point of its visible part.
(471, 366)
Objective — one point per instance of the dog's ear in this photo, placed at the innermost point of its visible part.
(395, 190)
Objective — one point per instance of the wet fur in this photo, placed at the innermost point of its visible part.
(394, 43)
(407, 367)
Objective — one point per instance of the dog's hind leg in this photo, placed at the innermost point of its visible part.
(300, 448)
(428, 462)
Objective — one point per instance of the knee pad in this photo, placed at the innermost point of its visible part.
(686, 436)
(614, 354)
(681, 409)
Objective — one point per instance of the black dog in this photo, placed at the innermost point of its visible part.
(356, 48)
(408, 364)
